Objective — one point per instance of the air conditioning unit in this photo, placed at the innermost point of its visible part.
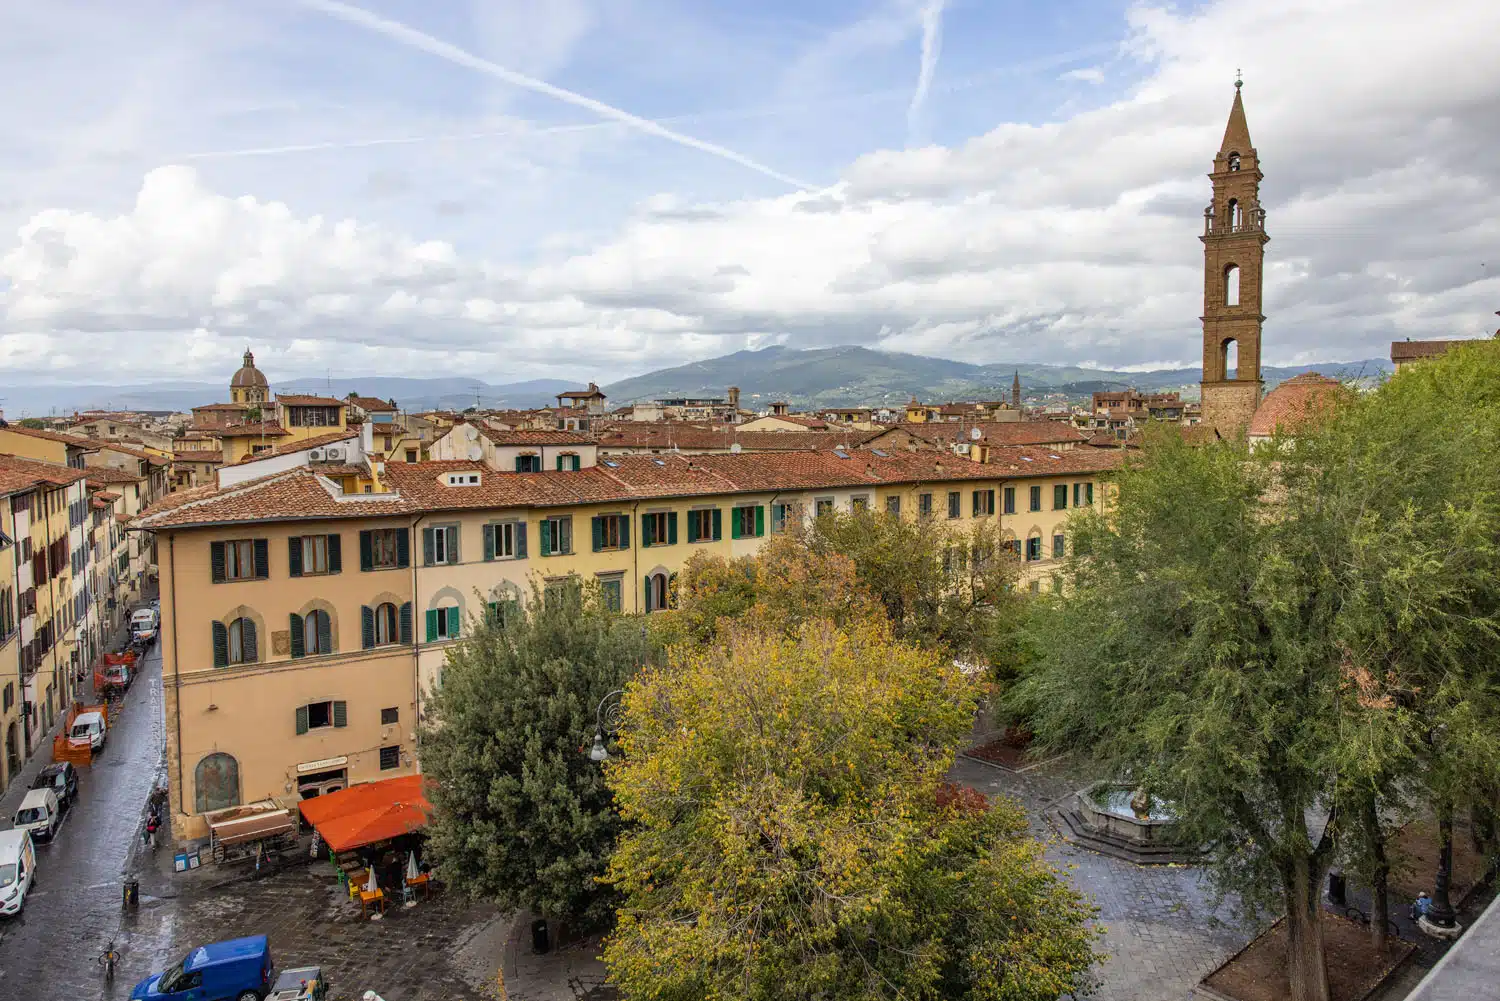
(316, 455)
(962, 448)
(334, 454)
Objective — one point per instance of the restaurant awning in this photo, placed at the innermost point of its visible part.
(369, 813)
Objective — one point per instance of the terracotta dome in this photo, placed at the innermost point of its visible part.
(1296, 403)
(249, 376)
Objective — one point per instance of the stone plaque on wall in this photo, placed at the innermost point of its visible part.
(281, 643)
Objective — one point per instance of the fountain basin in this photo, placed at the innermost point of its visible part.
(1105, 809)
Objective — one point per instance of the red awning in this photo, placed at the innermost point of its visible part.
(368, 813)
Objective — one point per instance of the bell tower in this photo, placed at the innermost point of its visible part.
(1234, 240)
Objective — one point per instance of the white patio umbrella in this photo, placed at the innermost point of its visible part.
(370, 885)
(411, 866)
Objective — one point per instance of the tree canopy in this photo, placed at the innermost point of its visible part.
(520, 809)
(788, 835)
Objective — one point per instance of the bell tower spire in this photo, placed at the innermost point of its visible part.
(1234, 239)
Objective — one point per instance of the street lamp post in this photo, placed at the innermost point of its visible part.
(1441, 920)
(607, 715)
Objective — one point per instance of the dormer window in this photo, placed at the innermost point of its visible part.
(1234, 161)
(463, 479)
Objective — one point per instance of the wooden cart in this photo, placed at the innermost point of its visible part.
(245, 833)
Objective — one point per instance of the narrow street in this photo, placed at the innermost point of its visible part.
(49, 950)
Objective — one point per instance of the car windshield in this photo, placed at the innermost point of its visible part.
(174, 976)
(82, 729)
(30, 815)
(7, 874)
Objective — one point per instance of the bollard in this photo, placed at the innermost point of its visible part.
(132, 894)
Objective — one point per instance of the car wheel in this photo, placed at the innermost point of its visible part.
(249, 996)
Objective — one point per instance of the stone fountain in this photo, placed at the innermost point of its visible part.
(1114, 819)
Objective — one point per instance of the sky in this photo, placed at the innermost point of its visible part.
(580, 189)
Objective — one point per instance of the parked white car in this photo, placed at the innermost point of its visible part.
(39, 814)
(17, 870)
(144, 622)
(88, 730)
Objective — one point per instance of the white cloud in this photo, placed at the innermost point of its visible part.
(1086, 74)
(1072, 239)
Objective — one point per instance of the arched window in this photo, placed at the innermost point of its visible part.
(242, 645)
(1229, 358)
(387, 629)
(656, 592)
(1232, 285)
(1234, 161)
(317, 632)
(216, 783)
(1236, 219)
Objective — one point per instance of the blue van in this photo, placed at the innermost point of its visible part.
(237, 970)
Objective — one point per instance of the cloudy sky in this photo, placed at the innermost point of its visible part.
(593, 188)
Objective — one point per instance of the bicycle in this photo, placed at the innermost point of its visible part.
(1355, 914)
(107, 959)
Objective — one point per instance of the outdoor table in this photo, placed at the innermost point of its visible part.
(423, 881)
(368, 897)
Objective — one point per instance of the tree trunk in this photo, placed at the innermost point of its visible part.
(1380, 871)
(1307, 966)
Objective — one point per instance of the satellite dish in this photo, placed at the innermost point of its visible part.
(476, 453)
(472, 433)
(734, 449)
(976, 433)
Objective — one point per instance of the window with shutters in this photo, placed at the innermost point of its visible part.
(1059, 547)
(1060, 497)
(747, 522)
(859, 503)
(442, 623)
(500, 541)
(781, 518)
(1036, 498)
(654, 528)
(386, 629)
(1033, 548)
(239, 560)
(557, 535)
(528, 463)
(501, 614)
(612, 531)
(658, 592)
(893, 505)
(612, 592)
(314, 553)
(440, 545)
(703, 525)
(317, 632)
(242, 645)
(924, 505)
(568, 461)
(822, 506)
(319, 715)
(955, 504)
(390, 757)
(984, 503)
(390, 716)
(1088, 494)
(1008, 496)
(383, 549)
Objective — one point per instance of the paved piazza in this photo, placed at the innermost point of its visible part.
(1161, 935)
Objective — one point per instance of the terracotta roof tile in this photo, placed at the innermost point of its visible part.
(316, 441)
(665, 435)
(372, 404)
(222, 406)
(1413, 350)
(17, 474)
(269, 429)
(996, 433)
(526, 436)
(102, 475)
(296, 400)
(1295, 403)
(87, 444)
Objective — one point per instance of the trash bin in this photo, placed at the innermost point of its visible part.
(132, 894)
(540, 942)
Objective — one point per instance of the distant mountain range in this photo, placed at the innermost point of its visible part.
(821, 377)
(849, 376)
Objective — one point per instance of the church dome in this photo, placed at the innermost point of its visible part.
(249, 377)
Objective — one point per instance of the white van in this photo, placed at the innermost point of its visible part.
(88, 731)
(144, 623)
(39, 814)
(17, 870)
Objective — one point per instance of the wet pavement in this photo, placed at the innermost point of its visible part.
(74, 909)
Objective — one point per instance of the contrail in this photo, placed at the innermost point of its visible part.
(224, 154)
(426, 43)
(932, 47)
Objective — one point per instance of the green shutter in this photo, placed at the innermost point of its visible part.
(262, 559)
(672, 528)
(221, 643)
(546, 527)
(335, 553)
(624, 531)
(647, 538)
(736, 515)
(403, 548)
(298, 644)
(367, 626)
(432, 625)
(760, 520)
(453, 553)
(406, 622)
(692, 526)
(489, 542)
(340, 713)
(325, 632)
(252, 651)
(453, 622)
(646, 595)
(301, 720)
(294, 556)
(718, 524)
(520, 464)
(492, 614)
(366, 551)
(1088, 493)
(429, 548)
(598, 522)
(520, 540)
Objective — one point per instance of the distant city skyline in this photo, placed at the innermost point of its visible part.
(512, 190)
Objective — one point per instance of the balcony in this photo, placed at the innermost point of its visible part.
(1254, 222)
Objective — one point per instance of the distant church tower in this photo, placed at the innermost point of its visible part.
(1234, 240)
(1015, 391)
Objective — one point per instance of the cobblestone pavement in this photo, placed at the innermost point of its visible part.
(1161, 935)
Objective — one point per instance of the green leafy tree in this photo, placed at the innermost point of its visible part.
(789, 837)
(35, 423)
(520, 809)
